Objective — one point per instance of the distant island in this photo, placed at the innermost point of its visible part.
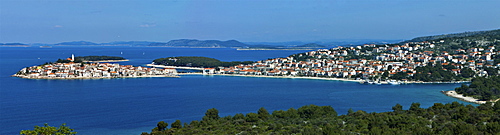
(80, 59)
(192, 61)
(13, 45)
(183, 43)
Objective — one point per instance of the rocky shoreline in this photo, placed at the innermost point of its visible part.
(454, 94)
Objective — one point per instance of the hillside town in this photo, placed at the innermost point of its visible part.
(369, 62)
(73, 70)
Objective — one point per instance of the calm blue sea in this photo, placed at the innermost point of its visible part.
(132, 106)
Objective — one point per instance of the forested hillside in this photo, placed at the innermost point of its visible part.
(457, 35)
(451, 42)
(451, 118)
(482, 88)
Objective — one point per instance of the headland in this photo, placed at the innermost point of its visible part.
(454, 94)
(91, 71)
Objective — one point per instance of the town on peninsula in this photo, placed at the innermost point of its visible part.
(74, 68)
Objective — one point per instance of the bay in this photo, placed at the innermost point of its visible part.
(135, 105)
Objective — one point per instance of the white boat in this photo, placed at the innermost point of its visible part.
(393, 82)
(45, 46)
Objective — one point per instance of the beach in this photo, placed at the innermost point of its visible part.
(318, 78)
(289, 77)
(454, 94)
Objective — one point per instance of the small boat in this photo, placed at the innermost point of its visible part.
(370, 81)
(393, 82)
(45, 46)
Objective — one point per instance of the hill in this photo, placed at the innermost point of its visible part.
(488, 33)
(77, 43)
(310, 45)
(130, 43)
(201, 43)
(13, 45)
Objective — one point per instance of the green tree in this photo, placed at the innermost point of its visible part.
(263, 113)
(491, 71)
(467, 73)
(49, 130)
(211, 114)
(385, 74)
(252, 117)
(397, 108)
(177, 124)
(415, 108)
(497, 106)
(350, 111)
(161, 126)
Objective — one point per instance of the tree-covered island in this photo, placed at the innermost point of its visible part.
(193, 61)
(80, 59)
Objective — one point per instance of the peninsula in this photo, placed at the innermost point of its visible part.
(70, 69)
(91, 71)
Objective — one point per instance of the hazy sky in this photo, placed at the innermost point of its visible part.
(53, 21)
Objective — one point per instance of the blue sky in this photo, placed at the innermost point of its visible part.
(53, 21)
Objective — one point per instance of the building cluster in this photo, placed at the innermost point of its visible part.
(369, 61)
(93, 70)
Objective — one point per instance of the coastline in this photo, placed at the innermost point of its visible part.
(265, 49)
(454, 94)
(323, 78)
(287, 77)
(71, 78)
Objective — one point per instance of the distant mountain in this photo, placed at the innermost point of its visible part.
(201, 43)
(289, 43)
(310, 45)
(131, 43)
(12, 44)
(456, 35)
(329, 43)
(77, 43)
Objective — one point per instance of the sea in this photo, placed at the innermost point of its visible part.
(134, 105)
